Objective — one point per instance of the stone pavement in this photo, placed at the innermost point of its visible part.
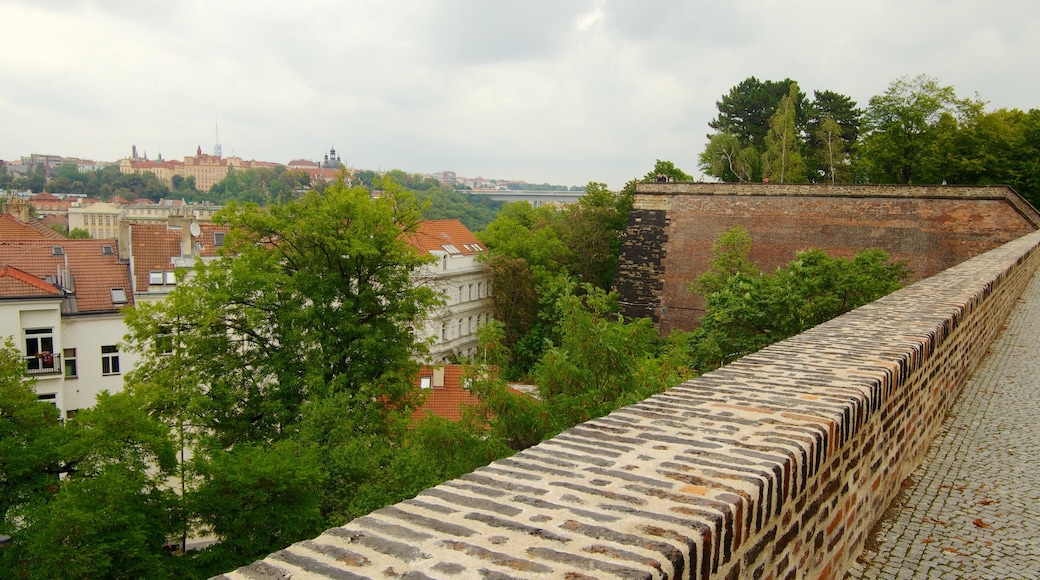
(972, 509)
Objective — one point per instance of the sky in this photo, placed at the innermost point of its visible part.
(565, 91)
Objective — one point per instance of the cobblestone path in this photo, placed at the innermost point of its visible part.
(972, 510)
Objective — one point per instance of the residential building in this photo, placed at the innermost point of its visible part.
(462, 280)
(61, 302)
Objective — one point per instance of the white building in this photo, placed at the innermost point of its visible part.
(463, 282)
(60, 302)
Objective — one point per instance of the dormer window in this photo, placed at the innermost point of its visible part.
(118, 295)
(218, 239)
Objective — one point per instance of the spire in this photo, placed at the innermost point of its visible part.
(217, 152)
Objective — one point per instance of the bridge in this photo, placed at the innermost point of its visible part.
(534, 197)
(779, 465)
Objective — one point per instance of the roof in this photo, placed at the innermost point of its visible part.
(445, 401)
(153, 247)
(209, 247)
(15, 283)
(95, 271)
(12, 228)
(445, 236)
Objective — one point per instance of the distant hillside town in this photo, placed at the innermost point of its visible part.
(208, 169)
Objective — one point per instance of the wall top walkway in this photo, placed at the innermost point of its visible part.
(774, 466)
(972, 510)
(967, 192)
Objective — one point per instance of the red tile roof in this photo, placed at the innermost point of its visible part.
(434, 235)
(447, 401)
(16, 283)
(153, 247)
(94, 271)
(12, 228)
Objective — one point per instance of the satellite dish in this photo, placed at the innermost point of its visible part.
(195, 230)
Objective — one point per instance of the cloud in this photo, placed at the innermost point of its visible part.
(565, 92)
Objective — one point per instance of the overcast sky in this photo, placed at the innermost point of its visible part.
(565, 92)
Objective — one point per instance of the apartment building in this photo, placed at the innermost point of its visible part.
(463, 282)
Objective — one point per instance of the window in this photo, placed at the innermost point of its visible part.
(460, 293)
(470, 292)
(444, 262)
(425, 382)
(460, 327)
(480, 289)
(118, 296)
(444, 331)
(39, 348)
(110, 360)
(218, 239)
(70, 363)
(107, 251)
(171, 278)
(469, 325)
(155, 278)
(57, 251)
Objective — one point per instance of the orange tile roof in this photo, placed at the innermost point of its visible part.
(433, 235)
(16, 283)
(447, 401)
(94, 272)
(209, 249)
(153, 247)
(12, 228)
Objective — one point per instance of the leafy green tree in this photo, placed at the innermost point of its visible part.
(596, 224)
(902, 127)
(782, 160)
(593, 369)
(746, 110)
(108, 517)
(256, 498)
(731, 256)
(831, 134)
(29, 439)
(832, 155)
(668, 170)
(35, 181)
(313, 297)
(747, 311)
(79, 234)
(725, 159)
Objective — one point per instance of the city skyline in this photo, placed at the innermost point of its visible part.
(591, 90)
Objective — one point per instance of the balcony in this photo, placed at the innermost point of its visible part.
(43, 364)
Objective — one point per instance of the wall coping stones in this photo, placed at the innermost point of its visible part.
(776, 465)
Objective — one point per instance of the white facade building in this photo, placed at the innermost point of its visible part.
(462, 280)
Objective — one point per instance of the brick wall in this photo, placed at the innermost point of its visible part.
(931, 227)
(775, 466)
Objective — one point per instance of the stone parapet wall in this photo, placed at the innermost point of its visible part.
(932, 228)
(775, 466)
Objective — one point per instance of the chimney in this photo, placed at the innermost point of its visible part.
(18, 208)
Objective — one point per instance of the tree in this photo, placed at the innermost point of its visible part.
(746, 311)
(832, 152)
(745, 111)
(79, 234)
(313, 297)
(782, 161)
(594, 366)
(29, 437)
(108, 516)
(831, 133)
(725, 159)
(730, 253)
(902, 126)
(668, 171)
